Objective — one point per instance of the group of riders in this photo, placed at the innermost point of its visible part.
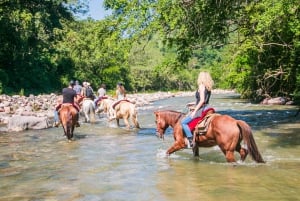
(75, 93)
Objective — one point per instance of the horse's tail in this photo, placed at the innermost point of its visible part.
(249, 139)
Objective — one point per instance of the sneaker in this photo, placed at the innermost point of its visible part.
(56, 124)
(189, 142)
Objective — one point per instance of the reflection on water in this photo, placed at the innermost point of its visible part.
(109, 163)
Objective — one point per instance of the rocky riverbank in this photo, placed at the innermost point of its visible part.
(19, 113)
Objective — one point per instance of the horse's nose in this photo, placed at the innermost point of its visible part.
(159, 135)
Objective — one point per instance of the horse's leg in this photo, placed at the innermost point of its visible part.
(243, 152)
(135, 121)
(195, 149)
(178, 144)
(195, 145)
(92, 114)
(68, 131)
(72, 130)
(229, 154)
(179, 140)
(65, 129)
(118, 122)
(86, 115)
(126, 122)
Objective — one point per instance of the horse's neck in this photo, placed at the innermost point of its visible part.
(172, 120)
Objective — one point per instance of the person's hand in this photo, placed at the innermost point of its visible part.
(193, 113)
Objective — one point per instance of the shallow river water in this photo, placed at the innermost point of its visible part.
(109, 163)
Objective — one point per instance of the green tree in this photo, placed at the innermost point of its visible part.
(28, 36)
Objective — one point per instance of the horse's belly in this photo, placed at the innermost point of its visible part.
(207, 143)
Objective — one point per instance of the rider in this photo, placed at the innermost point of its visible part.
(120, 91)
(121, 95)
(101, 93)
(69, 96)
(77, 87)
(205, 84)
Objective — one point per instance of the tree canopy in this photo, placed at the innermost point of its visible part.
(250, 46)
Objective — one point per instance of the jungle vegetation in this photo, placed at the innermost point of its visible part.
(252, 46)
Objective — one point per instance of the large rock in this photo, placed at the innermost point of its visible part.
(21, 123)
(274, 101)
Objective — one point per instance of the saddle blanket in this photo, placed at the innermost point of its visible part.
(116, 103)
(192, 125)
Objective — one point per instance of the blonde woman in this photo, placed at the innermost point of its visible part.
(205, 84)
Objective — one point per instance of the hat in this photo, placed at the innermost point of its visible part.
(77, 82)
(88, 84)
(72, 83)
(84, 83)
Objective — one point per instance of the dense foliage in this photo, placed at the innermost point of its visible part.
(250, 46)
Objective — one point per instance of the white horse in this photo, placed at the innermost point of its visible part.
(88, 109)
(105, 106)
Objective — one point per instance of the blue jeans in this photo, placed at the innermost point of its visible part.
(185, 127)
(56, 119)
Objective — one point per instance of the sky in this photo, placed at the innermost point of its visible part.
(97, 11)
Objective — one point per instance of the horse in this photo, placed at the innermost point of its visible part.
(124, 109)
(105, 106)
(223, 130)
(67, 116)
(88, 109)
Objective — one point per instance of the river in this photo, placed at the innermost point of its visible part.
(109, 163)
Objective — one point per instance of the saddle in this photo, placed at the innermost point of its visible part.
(200, 124)
(66, 105)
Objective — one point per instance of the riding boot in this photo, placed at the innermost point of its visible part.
(189, 142)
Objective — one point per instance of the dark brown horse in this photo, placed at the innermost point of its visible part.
(67, 116)
(224, 131)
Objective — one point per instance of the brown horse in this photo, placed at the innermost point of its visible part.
(223, 130)
(67, 116)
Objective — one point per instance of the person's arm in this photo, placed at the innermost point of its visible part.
(202, 99)
(116, 94)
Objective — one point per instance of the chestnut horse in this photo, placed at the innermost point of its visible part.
(67, 116)
(223, 130)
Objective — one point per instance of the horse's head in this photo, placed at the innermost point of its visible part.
(161, 125)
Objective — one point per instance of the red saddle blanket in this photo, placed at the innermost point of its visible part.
(192, 125)
(116, 103)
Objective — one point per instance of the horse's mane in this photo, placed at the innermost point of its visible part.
(172, 115)
(170, 111)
